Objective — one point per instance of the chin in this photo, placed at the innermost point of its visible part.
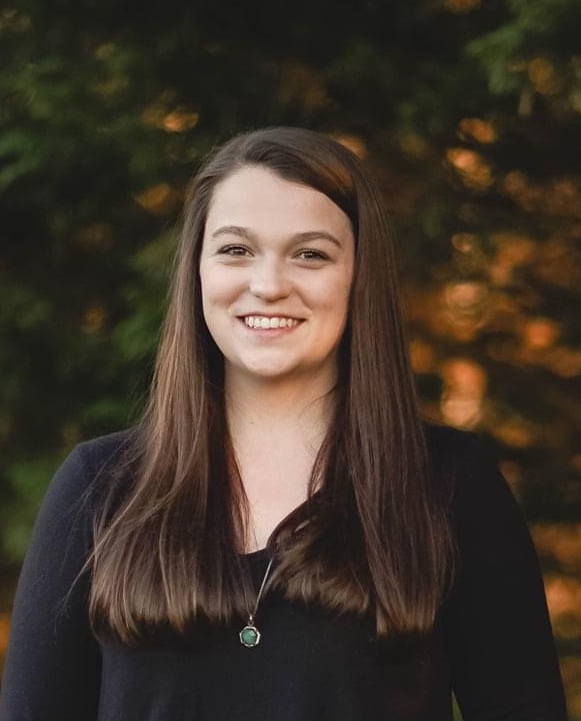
(267, 371)
(270, 374)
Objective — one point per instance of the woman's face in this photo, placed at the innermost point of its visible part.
(276, 269)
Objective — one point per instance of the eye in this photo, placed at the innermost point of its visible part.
(311, 255)
(234, 251)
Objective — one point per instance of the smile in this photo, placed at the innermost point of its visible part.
(267, 322)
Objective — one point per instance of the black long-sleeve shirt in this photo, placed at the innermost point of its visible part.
(491, 645)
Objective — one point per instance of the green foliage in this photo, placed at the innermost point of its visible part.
(105, 114)
(542, 28)
(26, 480)
(468, 113)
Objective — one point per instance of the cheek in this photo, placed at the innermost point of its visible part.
(205, 290)
(342, 303)
(335, 295)
(332, 306)
(211, 291)
(214, 287)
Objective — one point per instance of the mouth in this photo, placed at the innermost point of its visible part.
(267, 322)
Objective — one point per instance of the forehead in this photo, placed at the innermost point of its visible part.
(258, 198)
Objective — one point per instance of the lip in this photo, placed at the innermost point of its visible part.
(241, 316)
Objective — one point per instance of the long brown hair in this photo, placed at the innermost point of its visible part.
(375, 538)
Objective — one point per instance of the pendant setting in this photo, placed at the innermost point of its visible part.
(250, 636)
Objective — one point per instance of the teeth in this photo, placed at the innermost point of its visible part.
(260, 321)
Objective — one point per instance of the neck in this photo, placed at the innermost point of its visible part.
(284, 406)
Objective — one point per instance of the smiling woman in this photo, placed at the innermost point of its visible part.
(275, 270)
(282, 537)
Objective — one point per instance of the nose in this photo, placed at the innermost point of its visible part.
(269, 281)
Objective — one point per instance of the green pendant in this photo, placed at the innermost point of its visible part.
(250, 636)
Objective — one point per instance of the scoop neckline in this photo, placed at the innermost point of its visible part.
(255, 554)
(262, 551)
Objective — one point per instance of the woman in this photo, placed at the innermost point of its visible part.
(282, 537)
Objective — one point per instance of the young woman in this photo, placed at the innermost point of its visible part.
(282, 537)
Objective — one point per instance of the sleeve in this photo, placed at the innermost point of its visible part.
(499, 640)
(53, 662)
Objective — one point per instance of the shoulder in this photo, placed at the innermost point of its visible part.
(105, 452)
(479, 492)
(64, 520)
(86, 472)
(445, 440)
(468, 464)
(455, 449)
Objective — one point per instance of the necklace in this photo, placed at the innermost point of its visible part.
(250, 635)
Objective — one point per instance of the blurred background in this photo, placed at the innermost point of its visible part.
(468, 112)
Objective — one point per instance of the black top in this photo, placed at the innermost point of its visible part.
(492, 643)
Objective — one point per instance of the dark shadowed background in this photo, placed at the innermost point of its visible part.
(469, 113)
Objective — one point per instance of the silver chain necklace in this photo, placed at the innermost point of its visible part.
(250, 635)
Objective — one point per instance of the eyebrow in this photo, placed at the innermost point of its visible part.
(298, 237)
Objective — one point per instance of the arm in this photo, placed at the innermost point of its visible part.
(52, 670)
(502, 657)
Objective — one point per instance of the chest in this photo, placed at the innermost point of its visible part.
(275, 483)
(309, 666)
